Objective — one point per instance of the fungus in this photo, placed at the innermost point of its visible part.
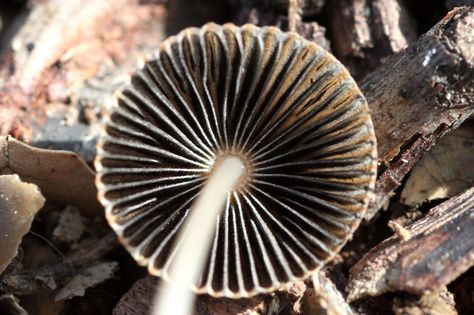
(283, 107)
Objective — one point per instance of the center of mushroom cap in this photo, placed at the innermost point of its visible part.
(234, 160)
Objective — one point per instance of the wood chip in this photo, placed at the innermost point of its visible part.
(85, 279)
(324, 298)
(440, 249)
(419, 95)
(402, 233)
(312, 31)
(368, 31)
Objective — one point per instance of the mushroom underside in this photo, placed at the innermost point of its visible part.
(287, 109)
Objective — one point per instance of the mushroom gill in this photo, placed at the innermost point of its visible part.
(287, 109)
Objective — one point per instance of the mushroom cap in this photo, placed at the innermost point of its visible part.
(282, 105)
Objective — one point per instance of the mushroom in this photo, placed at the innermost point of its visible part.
(281, 106)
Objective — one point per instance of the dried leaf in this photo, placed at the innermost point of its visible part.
(61, 175)
(445, 171)
(19, 203)
(87, 278)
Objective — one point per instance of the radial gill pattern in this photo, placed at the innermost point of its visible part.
(287, 108)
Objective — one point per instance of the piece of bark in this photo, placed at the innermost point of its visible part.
(418, 95)
(62, 176)
(444, 171)
(54, 275)
(312, 31)
(351, 20)
(19, 203)
(441, 248)
(393, 27)
(305, 7)
(87, 278)
(138, 298)
(365, 32)
(324, 298)
(137, 301)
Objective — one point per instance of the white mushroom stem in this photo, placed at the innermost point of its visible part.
(292, 15)
(174, 296)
